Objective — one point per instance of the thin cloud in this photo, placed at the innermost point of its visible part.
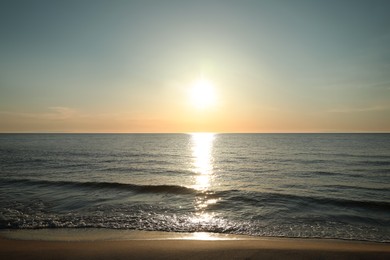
(62, 113)
(356, 110)
(55, 113)
(66, 113)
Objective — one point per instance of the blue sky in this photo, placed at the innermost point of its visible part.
(126, 66)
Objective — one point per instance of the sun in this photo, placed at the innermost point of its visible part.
(202, 93)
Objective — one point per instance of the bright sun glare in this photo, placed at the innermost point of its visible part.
(202, 93)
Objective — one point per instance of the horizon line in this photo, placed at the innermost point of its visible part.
(292, 132)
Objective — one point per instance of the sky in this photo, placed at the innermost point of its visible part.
(128, 66)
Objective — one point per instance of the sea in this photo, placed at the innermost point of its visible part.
(328, 186)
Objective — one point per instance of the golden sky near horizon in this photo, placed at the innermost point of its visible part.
(189, 66)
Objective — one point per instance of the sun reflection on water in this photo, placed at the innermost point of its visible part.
(202, 145)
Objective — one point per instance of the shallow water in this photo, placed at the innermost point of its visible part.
(281, 185)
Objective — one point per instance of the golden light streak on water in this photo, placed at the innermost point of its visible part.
(202, 144)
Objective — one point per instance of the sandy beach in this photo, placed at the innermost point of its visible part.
(156, 245)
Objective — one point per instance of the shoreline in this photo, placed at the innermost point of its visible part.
(104, 234)
(114, 244)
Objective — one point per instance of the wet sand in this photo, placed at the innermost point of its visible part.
(159, 245)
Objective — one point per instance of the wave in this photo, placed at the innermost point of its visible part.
(173, 189)
(231, 197)
(289, 200)
(375, 163)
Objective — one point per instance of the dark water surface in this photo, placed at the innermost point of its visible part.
(289, 185)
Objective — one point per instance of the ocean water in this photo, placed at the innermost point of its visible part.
(279, 185)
